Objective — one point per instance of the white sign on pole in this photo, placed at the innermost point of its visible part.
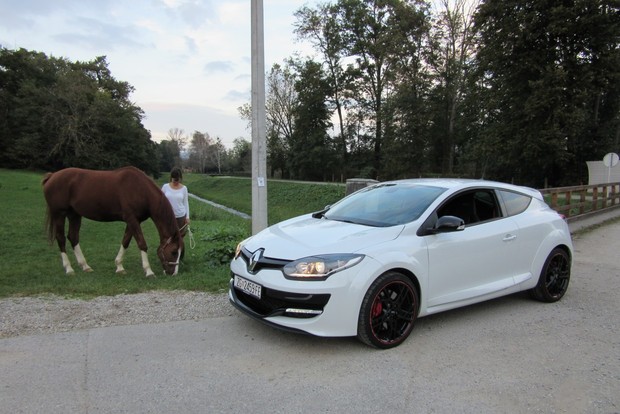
(610, 160)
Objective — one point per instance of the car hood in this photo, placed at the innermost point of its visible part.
(306, 236)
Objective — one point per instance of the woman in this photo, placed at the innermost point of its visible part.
(177, 194)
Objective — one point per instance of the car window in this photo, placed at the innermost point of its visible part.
(472, 206)
(515, 203)
(385, 205)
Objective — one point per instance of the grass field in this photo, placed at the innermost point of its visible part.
(30, 265)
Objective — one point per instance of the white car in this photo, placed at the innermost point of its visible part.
(373, 262)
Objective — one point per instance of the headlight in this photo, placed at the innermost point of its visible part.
(239, 247)
(320, 267)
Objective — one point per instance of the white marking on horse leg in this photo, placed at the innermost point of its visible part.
(176, 267)
(66, 263)
(145, 264)
(119, 260)
(81, 259)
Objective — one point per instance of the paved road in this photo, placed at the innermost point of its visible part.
(511, 355)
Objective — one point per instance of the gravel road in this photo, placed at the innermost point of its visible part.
(52, 314)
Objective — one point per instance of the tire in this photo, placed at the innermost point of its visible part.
(554, 277)
(388, 311)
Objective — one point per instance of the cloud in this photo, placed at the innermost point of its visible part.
(96, 34)
(196, 14)
(236, 96)
(218, 66)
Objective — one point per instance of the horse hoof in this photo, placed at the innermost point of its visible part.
(121, 272)
(89, 270)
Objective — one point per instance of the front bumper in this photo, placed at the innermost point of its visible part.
(323, 308)
(233, 297)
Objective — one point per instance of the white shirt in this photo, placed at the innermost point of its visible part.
(178, 200)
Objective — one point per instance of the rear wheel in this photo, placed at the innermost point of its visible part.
(388, 311)
(554, 277)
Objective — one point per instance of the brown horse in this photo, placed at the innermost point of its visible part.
(126, 194)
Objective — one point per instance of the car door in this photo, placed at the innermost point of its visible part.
(477, 260)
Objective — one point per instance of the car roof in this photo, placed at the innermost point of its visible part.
(464, 183)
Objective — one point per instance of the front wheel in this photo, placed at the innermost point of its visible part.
(554, 277)
(388, 311)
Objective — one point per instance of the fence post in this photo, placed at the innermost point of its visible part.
(595, 198)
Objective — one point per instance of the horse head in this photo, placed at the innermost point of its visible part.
(169, 253)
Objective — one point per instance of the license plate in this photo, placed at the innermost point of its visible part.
(248, 287)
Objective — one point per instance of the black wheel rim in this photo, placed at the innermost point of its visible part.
(558, 274)
(392, 312)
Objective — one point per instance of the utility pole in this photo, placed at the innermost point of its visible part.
(259, 145)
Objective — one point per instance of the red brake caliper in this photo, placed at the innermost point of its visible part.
(376, 309)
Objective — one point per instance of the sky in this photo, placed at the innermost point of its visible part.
(188, 60)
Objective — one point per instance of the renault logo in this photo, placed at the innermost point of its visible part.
(256, 256)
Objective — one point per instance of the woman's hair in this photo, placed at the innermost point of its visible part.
(176, 174)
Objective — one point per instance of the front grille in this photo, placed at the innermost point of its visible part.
(263, 262)
(275, 302)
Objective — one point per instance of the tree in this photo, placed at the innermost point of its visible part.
(177, 135)
(377, 34)
(59, 113)
(241, 156)
(170, 153)
(280, 105)
(548, 69)
(217, 154)
(366, 26)
(310, 147)
(199, 151)
(408, 110)
(454, 51)
(322, 26)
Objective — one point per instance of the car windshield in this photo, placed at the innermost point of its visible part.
(385, 205)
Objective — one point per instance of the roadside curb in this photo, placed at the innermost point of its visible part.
(595, 218)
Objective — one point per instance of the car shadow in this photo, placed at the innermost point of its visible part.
(506, 305)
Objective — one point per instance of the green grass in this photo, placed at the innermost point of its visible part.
(30, 265)
(285, 199)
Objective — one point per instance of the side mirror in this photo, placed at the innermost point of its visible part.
(447, 224)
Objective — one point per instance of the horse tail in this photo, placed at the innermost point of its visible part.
(49, 227)
(46, 177)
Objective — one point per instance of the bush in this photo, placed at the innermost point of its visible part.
(221, 244)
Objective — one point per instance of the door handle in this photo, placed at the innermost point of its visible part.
(509, 237)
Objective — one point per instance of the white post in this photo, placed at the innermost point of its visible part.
(259, 145)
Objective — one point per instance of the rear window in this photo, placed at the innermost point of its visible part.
(515, 203)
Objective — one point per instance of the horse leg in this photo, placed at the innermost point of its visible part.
(145, 264)
(59, 224)
(133, 226)
(75, 223)
(118, 261)
(121, 252)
